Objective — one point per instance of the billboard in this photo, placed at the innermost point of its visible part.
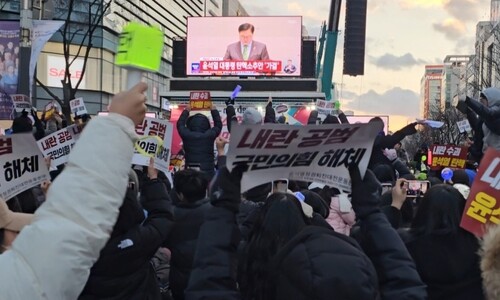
(9, 64)
(56, 67)
(244, 46)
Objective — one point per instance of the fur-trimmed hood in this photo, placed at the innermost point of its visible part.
(490, 263)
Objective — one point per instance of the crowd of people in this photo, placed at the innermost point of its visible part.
(104, 229)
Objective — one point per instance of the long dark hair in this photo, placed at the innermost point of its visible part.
(440, 211)
(280, 219)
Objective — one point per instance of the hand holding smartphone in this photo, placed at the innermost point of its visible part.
(415, 188)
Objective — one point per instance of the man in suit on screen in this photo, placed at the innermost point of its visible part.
(246, 48)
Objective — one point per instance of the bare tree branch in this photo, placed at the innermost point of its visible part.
(46, 89)
(96, 22)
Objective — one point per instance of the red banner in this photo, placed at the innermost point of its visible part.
(482, 207)
(445, 156)
(260, 66)
(200, 100)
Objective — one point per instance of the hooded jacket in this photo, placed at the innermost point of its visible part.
(52, 257)
(198, 139)
(490, 116)
(490, 263)
(383, 141)
(123, 270)
(189, 218)
(315, 264)
(448, 264)
(340, 221)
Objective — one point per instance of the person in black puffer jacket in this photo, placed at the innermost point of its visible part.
(287, 258)
(123, 270)
(446, 255)
(198, 139)
(189, 215)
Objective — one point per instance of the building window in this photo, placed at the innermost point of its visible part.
(215, 3)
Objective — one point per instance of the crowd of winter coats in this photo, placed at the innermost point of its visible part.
(106, 231)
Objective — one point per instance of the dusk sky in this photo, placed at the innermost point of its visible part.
(402, 37)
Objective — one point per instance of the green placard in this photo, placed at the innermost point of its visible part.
(140, 47)
(337, 105)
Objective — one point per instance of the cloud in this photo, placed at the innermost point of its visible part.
(465, 45)
(463, 10)
(392, 62)
(460, 12)
(407, 4)
(453, 29)
(314, 14)
(396, 101)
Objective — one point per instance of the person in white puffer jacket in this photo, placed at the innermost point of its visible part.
(52, 257)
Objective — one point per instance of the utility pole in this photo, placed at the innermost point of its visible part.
(25, 48)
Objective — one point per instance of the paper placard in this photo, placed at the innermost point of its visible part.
(200, 100)
(21, 102)
(151, 147)
(312, 153)
(78, 107)
(23, 166)
(464, 126)
(59, 144)
(483, 208)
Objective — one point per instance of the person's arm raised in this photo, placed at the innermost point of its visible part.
(51, 258)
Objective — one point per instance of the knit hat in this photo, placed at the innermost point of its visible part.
(13, 221)
(252, 116)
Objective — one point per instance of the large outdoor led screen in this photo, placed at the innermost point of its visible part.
(244, 46)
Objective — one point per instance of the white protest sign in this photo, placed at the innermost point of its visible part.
(151, 146)
(58, 145)
(21, 102)
(325, 107)
(78, 107)
(464, 126)
(312, 153)
(22, 163)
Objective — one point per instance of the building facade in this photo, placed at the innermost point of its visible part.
(495, 11)
(454, 67)
(431, 91)
(102, 78)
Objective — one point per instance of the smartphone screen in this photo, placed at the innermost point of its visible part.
(415, 188)
(280, 186)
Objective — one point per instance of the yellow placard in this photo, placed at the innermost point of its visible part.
(140, 46)
(143, 152)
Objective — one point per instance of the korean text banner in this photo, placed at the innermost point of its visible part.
(22, 165)
(446, 156)
(482, 206)
(150, 147)
(318, 153)
(59, 144)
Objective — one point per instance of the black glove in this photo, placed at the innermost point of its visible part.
(229, 101)
(225, 188)
(365, 192)
(462, 106)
